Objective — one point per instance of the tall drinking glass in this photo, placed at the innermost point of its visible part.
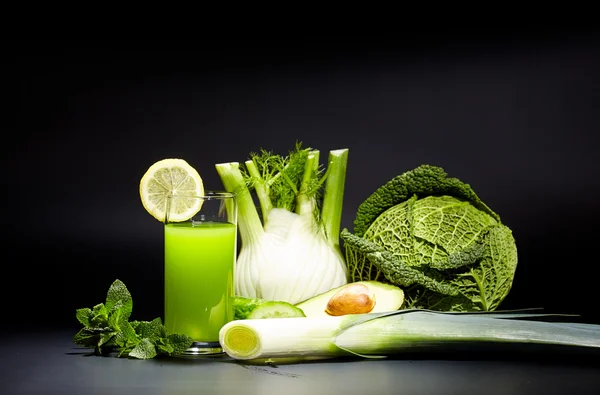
(199, 263)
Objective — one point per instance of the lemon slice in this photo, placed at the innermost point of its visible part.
(171, 177)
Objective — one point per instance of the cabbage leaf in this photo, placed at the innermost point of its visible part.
(433, 236)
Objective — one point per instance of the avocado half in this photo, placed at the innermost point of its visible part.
(388, 297)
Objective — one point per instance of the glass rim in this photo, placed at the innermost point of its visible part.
(209, 194)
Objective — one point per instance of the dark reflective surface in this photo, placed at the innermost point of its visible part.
(51, 364)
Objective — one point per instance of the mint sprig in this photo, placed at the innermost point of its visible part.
(107, 329)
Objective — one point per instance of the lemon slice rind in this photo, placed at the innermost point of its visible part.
(171, 177)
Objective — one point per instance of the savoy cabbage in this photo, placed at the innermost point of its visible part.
(432, 236)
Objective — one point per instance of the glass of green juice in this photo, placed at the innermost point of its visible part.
(199, 261)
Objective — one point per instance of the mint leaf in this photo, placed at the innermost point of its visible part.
(160, 332)
(173, 343)
(105, 342)
(157, 334)
(86, 338)
(99, 317)
(127, 339)
(83, 316)
(106, 328)
(129, 333)
(165, 348)
(118, 315)
(148, 329)
(118, 297)
(179, 342)
(144, 350)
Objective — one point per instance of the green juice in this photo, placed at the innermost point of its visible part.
(199, 291)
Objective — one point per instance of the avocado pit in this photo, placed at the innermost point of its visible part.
(354, 298)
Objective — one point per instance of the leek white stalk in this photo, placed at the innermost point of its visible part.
(377, 335)
(293, 254)
(276, 338)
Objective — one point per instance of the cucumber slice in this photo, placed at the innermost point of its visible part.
(276, 310)
(248, 308)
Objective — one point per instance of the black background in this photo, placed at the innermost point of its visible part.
(513, 113)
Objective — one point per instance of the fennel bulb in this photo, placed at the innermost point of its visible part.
(293, 254)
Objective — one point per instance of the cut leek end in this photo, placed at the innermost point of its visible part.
(240, 341)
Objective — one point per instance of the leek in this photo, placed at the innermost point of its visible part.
(377, 335)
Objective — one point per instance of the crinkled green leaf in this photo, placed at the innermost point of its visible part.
(489, 281)
(165, 348)
(86, 338)
(126, 337)
(150, 329)
(161, 331)
(442, 226)
(180, 342)
(144, 350)
(398, 273)
(468, 256)
(393, 268)
(99, 316)
(118, 297)
(106, 339)
(422, 181)
(84, 316)
(437, 227)
(419, 297)
(115, 317)
(442, 232)
(107, 329)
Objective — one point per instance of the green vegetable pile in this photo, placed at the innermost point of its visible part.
(107, 329)
(432, 236)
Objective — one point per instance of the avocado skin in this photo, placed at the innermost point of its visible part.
(388, 297)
